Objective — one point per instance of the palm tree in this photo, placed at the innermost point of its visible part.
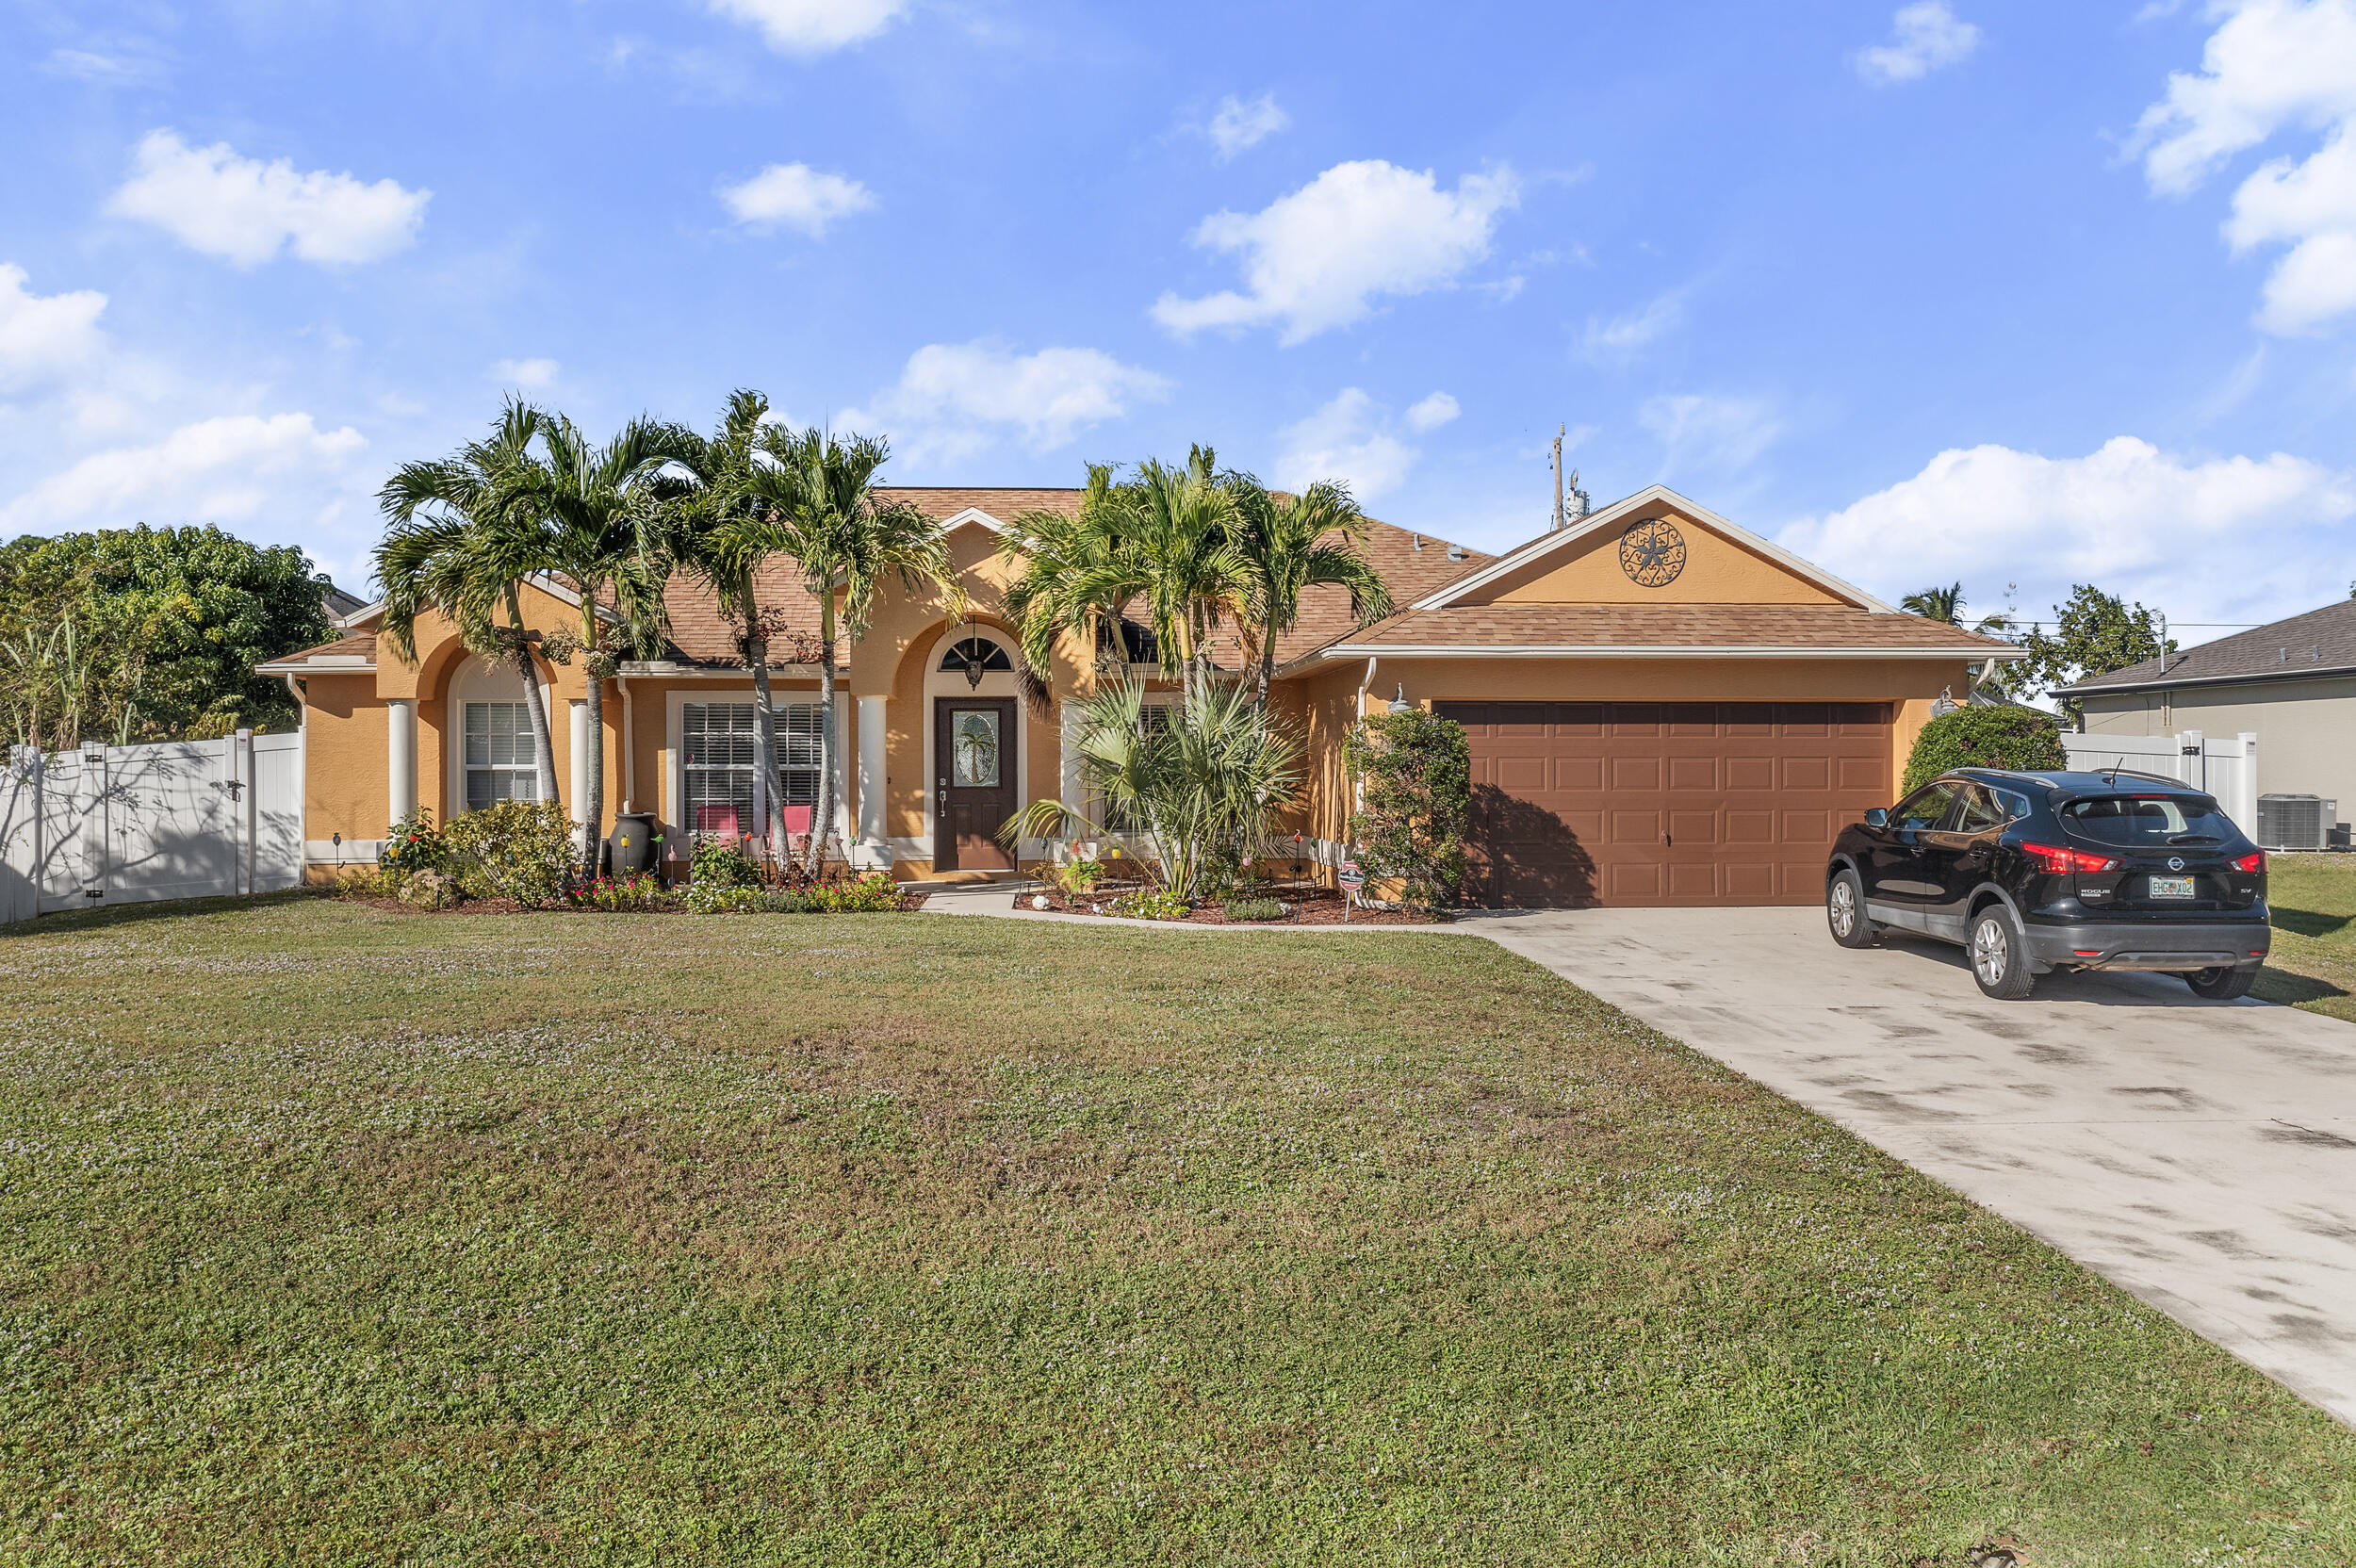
(1202, 787)
(1936, 604)
(449, 547)
(1163, 541)
(714, 532)
(1293, 545)
(818, 505)
(595, 522)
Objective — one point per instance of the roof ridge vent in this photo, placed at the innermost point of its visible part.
(1456, 552)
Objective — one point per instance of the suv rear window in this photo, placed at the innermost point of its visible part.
(2132, 820)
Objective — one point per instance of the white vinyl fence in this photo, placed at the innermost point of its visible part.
(131, 825)
(2227, 769)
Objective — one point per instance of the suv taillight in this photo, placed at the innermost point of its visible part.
(2062, 862)
(2254, 864)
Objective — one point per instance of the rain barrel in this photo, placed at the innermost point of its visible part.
(629, 848)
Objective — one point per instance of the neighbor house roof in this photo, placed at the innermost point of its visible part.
(1666, 631)
(352, 652)
(2322, 642)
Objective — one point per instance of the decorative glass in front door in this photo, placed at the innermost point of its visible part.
(974, 739)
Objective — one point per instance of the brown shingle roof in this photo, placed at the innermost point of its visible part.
(351, 646)
(703, 635)
(1812, 627)
(2319, 640)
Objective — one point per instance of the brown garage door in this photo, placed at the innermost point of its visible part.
(1616, 803)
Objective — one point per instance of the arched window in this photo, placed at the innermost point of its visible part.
(975, 650)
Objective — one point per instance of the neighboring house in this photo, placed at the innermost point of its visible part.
(1663, 709)
(2292, 684)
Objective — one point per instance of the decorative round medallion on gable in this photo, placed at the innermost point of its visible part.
(1652, 552)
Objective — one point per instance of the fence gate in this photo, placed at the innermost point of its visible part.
(131, 824)
(2227, 769)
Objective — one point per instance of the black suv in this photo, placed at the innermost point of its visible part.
(2035, 872)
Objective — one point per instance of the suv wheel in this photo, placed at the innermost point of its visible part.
(1998, 953)
(1845, 911)
(2221, 983)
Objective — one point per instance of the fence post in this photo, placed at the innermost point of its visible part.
(241, 804)
(97, 849)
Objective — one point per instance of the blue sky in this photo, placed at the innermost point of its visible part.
(2004, 292)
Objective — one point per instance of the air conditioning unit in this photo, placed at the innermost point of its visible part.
(2296, 822)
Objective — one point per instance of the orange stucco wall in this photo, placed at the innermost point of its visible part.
(344, 777)
(1717, 571)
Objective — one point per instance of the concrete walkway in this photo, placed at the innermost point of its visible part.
(2200, 1154)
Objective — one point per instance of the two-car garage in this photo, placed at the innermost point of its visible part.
(1621, 803)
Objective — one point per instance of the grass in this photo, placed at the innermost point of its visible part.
(341, 1236)
(2313, 961)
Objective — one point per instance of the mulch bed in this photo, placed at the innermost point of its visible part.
(1307, 907)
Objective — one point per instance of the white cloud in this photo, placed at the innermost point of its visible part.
(1432, 412)
(101, 69)
(2273, 65)
(45, 337)
(218, 470)
(795, 196)
(1922, 37)
(1725, 434)
(812, 27)
(530, 374)
(955, 400)
(1237, 125)
(2129, 518)
(1322, 256)
(1348, 439)
(1617, 336)
(246, 211)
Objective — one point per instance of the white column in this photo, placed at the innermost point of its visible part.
(1075, 795)
(580, 764)
(400, 757)
(872, 736)
(840, 751)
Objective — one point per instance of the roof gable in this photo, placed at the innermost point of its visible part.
(2317, 643)
(1577, 565)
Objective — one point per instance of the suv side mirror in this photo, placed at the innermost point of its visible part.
(1877, 817)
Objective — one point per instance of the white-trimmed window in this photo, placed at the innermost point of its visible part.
(717, 740)
(499, 760)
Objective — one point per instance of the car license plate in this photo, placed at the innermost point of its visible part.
(2172, 887)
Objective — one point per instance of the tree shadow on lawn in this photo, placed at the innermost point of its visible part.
(2311, 922)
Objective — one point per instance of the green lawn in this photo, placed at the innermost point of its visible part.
(2313, 962)
(340, 1236)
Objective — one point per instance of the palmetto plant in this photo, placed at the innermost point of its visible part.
(1289, 544)
(1199, 789)
(449, 547)
(813, 500)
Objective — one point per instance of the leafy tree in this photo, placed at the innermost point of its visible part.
(1414, 779)
(149, 635)
(1291, 545)
(2023, 738)
(449, 547)
(2094, 634)
(817, 504)
(1202, 787)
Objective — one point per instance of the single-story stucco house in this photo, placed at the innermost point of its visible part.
(1663, 707)
(2291, 683)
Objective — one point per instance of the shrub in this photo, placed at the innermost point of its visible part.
(1150, 905)
(415, 844)
(1078, 877)
(2021, 738)
(875, 893)
(620, 894)
(723, 863)
(1254, 909)
(520, 850)
(1414, 772)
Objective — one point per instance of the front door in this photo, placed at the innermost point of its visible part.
(973, 790)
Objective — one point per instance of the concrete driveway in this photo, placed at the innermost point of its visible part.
(2202, 1154)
